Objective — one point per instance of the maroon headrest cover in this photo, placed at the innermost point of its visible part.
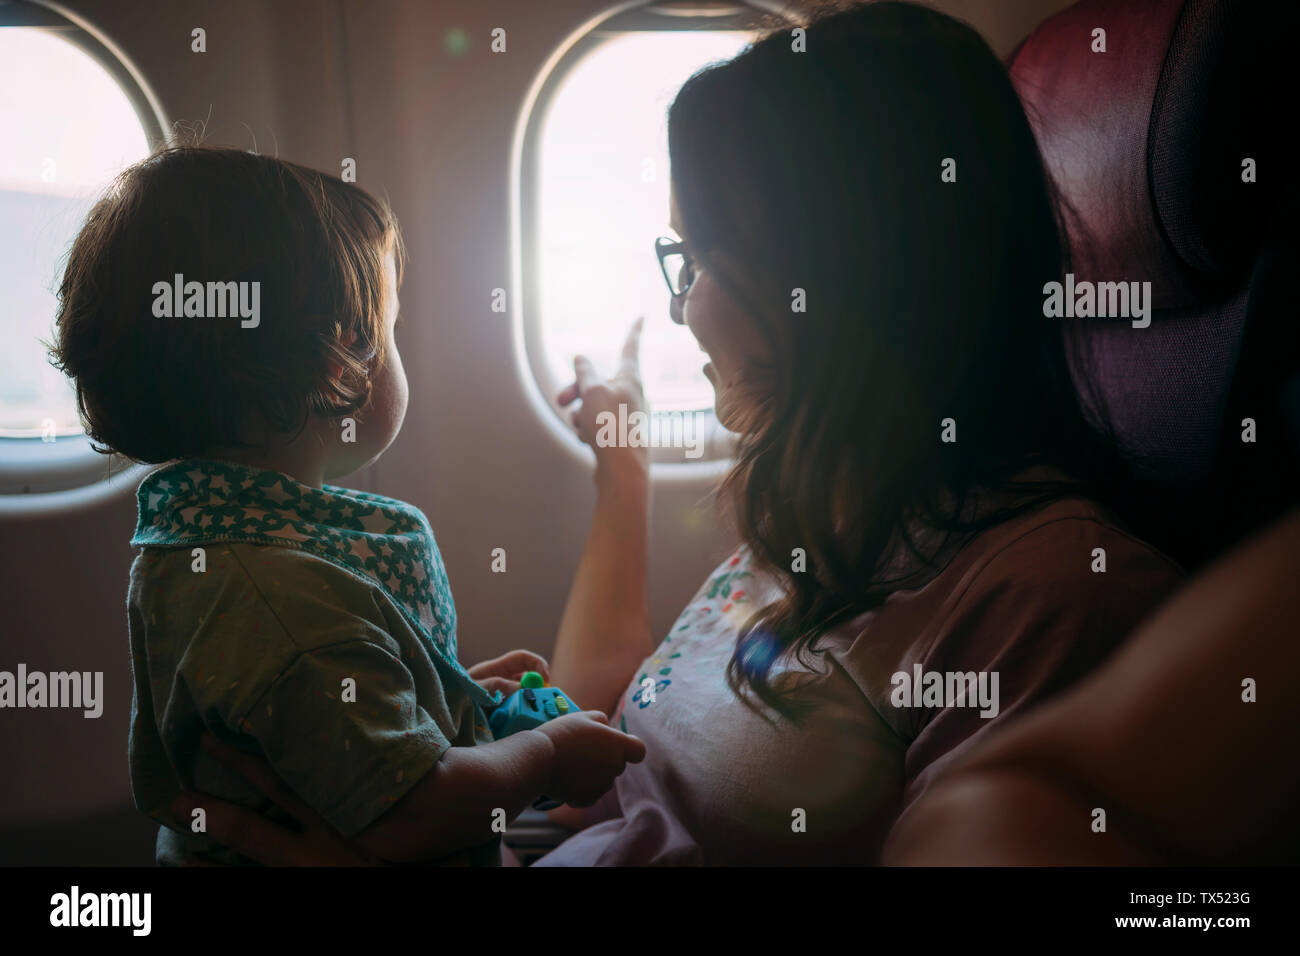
(1146, 141)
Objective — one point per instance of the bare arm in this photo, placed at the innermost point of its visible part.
(574, 758)
(605, 630)
(448, 809)
(452, 806)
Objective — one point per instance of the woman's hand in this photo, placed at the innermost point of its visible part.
(601, 397)
(503, 673)
(263, 840)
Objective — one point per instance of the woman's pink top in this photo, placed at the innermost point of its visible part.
(1020, 612)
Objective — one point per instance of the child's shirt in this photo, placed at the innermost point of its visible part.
(314, 626)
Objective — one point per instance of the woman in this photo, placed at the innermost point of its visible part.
(930, 540)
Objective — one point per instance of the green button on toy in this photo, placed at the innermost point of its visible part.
(532, 679)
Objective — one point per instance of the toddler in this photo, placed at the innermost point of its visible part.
(231, 317)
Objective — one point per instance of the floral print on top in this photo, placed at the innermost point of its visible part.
(722, 604)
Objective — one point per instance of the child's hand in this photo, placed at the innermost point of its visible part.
(589, 754)
(503, 673)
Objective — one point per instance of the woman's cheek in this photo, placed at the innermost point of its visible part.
(705, 313)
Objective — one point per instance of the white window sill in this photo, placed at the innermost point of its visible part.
(38, 477)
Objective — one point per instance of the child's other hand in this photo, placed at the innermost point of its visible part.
(589, 754)
(503, 673)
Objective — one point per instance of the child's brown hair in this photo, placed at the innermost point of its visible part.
(158, 388)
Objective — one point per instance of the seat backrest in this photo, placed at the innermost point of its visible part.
(1151, 130)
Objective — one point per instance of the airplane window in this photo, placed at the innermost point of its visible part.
(69, 127)
(595, 199)
(604, 199)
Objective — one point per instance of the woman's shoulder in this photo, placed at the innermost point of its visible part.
(1069, 537)
(1068, 568)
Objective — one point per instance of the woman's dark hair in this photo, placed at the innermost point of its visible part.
(158, 388)
(822, 171)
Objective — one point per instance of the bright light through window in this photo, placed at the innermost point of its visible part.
(68, 129)
(603, 154)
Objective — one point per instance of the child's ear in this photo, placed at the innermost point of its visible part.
(335, 368)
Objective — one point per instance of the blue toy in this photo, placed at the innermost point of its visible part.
(527, 709)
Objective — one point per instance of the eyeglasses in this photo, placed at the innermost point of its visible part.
(677, 266)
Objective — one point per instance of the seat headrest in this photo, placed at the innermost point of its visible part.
(1146, 141)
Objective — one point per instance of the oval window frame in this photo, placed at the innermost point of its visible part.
(39, 476)
(527, 333)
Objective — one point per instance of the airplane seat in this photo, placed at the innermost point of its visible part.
(1172, 170)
